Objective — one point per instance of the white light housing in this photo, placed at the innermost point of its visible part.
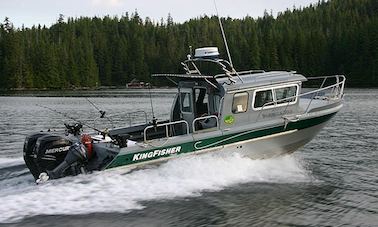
(207, 52)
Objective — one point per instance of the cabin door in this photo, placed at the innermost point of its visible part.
(186, 106)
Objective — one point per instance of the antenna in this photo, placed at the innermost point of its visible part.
(224, 36)
(226, 44)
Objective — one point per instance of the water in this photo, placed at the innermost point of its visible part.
(332, 181)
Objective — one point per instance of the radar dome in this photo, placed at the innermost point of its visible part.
(207, 52)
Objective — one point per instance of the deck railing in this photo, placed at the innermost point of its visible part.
(166, 125)
(129, 116)
(336, 91)
(204, 119)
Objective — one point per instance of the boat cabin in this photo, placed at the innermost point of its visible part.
(196, 99)
(225, 101)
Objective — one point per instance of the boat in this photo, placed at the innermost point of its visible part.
(254, 113)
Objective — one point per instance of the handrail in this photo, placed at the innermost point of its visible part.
(166, 128)
(322, 77)
(328, 87)
(241, 73)
(126, 114)
(204, 118)
(316, 94)
(339, 92)
(129, 114)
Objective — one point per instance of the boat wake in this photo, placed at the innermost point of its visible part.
(116, 191)
(6, 162)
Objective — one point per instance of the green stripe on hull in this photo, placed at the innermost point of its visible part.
(189, 147)
(150, 155)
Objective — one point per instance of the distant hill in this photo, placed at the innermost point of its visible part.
(330, 37)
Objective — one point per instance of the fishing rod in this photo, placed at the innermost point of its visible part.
(102, 112)
(71, 118)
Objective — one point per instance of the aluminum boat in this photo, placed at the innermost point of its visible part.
(254, 113)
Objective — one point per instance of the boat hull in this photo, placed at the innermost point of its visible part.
(256, 144)
(277, 144)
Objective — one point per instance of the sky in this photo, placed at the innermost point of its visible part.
(46, 12)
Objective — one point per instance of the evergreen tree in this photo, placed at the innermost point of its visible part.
(330, 37)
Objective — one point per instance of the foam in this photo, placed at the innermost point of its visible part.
(7, 162)
(116, 191)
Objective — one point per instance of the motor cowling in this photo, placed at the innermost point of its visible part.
(50, 151)
(29, 156)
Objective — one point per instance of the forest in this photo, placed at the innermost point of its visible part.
(326, 38)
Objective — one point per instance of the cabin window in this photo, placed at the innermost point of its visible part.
(240, 102)
(283, 95)
(186, 102)
(263, 98)
(275, 96)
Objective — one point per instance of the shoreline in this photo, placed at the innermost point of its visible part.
(105, 92)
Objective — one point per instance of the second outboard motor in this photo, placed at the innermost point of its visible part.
(75, 159)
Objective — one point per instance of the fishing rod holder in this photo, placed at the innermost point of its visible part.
(74, 129)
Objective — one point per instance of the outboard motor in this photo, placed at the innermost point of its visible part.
(29, 156)
(50, 156)
(74, 161)
(53, 156)
(44, 152)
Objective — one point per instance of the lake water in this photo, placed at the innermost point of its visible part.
(332, 181)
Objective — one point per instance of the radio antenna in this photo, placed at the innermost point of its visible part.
(225, 42)
(224, 36)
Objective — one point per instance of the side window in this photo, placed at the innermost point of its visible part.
(240, 102)
(262, 98)
(286, 92)
(186, 102)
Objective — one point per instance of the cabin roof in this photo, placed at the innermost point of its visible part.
(260, 79)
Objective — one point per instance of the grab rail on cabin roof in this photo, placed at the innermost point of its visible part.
(241, 73)
(192, 70)
(166, 128)
(337, 88)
